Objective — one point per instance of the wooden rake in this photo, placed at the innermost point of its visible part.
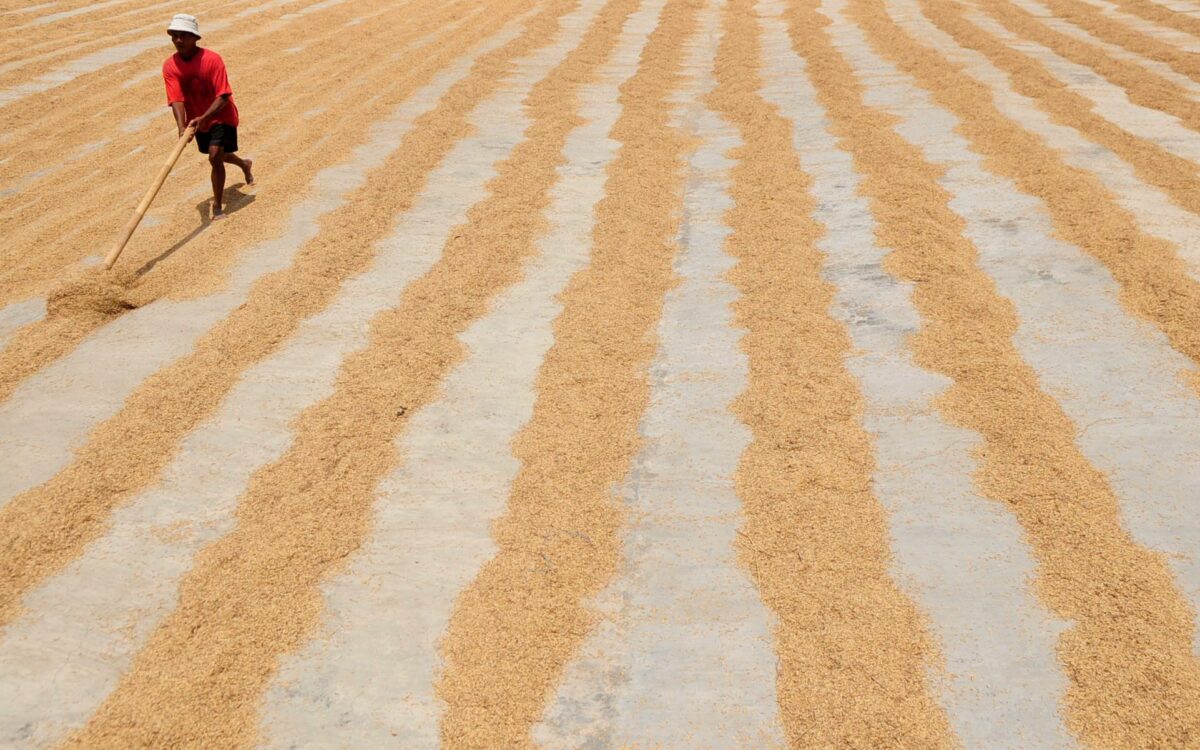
(144, 206)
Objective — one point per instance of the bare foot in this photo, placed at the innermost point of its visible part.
(218, 213)
(246, 171)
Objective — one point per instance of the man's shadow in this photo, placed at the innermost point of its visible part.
(235, 200)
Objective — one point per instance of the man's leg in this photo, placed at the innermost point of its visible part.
(245, 164)
(216, 158)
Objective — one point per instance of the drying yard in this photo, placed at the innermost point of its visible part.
(605, 374)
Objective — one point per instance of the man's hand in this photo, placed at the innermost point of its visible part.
(191, 128)
(198, 123)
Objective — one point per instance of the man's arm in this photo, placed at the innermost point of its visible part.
(175, 96)
(180, 115)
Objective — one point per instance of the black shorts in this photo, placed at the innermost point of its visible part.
(224, 136)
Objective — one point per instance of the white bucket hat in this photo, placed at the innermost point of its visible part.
(184, 22)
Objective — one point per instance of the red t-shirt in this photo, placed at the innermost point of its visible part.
(197, 82)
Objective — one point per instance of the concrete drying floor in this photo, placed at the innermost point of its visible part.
(606, 374)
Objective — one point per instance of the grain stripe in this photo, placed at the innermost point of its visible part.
(1109, 101)
(369, 675)
(329, 239)
(515, 627)
(1155, 283)
(974, 581)
(135, 569)
(304, 514)
(1129, 32)
(1159, 19)
(1153, 210)
(854, 655)
(1074, 27)
(683, 654)
(1134, 679)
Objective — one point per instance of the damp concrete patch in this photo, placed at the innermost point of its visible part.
(107, 603)
(1115, 376)
(960, 556)
(683, 655)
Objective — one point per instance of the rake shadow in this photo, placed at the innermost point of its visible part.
(235, 200)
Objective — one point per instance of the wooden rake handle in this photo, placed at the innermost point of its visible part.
(144, 206)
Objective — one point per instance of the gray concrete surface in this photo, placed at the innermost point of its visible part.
(683, 654)
(368, 678)
(1114, 375)
(51, 413)
(961, 557)
(81, 628)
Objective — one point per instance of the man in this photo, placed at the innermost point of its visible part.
(198, 93)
